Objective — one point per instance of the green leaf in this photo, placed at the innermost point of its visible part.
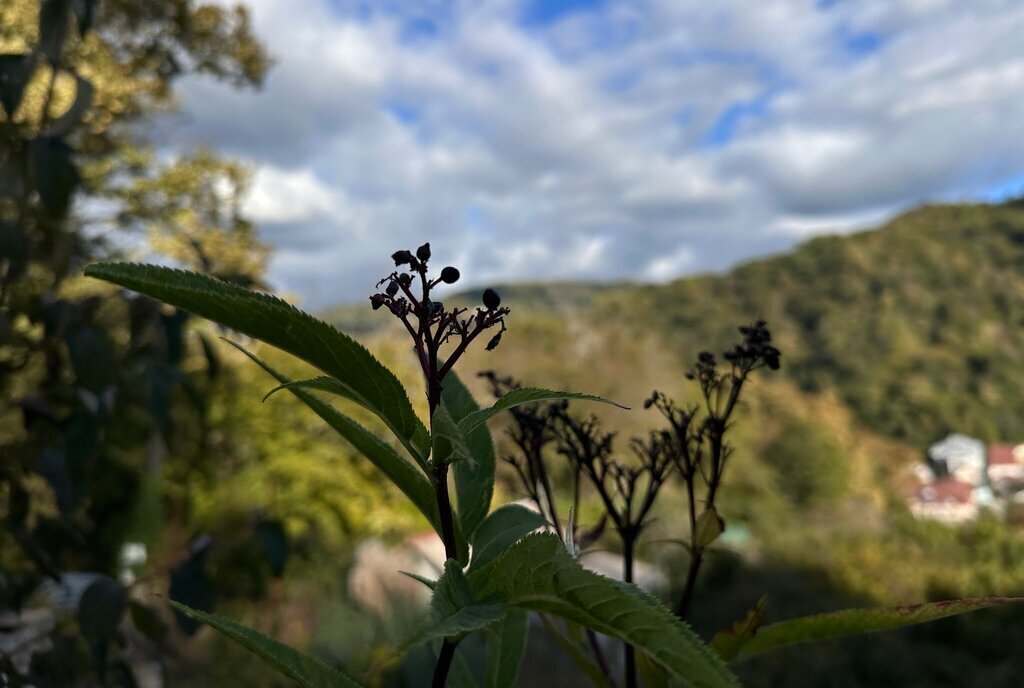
(525, 395)
(54, 17)
(501, 530)
(729, 642)
(449, 443)
(576, 653)
(454, 611)
(474, 480)
(538, 574)
(303, 669)
(53, 173)
(430, 583)
(460, 676)
(15, 72)
(66, 122)
(323, 383)
(282, 325)
(859, 621)
(506, 644)
(709, 527)
(409, 479)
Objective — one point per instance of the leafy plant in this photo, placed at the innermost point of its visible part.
(498, 567)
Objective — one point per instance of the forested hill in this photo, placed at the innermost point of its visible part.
(917, 326)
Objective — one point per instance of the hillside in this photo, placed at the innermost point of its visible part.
(890, 339)
(918, 326)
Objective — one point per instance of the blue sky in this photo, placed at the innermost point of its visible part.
(600, 140)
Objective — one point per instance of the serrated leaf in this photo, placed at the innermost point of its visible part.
(303, 669)
(506, 644)
(859, 621)
(501, 530)
(538, 574)
(525, 395)
(280, 324)
(406, 477)
(474, 480)
(454, 611)
(727, 643)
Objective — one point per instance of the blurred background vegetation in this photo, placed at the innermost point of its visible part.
(122, 421)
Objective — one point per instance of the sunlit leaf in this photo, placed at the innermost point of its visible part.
(860, 621)
(307, 671)
(538, 574)
(406, 477)
(280, 324)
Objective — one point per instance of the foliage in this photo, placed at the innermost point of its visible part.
(508, 572)
(914, 325)
(101, 397)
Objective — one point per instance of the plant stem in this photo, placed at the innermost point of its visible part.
(683, 607)
(444, 502)
(628, 546)
(444, 663)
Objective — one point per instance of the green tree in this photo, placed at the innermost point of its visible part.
(92, 383)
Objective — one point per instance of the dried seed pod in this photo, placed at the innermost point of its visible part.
(402, 258)
(491, 299)
(450, 275)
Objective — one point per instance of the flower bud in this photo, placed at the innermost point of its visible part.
(402, 258)
(491, 301)
(423, 252)
(392, 288)
(449, 275)
(405, 279)
(495, 340)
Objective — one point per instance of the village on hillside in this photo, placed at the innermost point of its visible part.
(963, 476)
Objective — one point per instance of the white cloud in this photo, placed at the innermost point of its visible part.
(638, 140)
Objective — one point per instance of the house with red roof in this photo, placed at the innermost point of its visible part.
(1005, 465)
(947, 499)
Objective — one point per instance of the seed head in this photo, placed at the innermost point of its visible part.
(491, 299)
(450, 275)
(402, 258)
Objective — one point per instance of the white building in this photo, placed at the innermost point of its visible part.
(960, 457)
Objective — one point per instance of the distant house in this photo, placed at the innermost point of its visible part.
(959, 457)
(1006, 468)
(947, 499)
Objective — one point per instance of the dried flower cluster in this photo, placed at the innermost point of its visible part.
(428, 322)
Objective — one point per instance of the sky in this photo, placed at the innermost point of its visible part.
(603, 141)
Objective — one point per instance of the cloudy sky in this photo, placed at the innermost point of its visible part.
(581, 139)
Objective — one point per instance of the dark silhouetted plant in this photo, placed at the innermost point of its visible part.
(498, 566)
